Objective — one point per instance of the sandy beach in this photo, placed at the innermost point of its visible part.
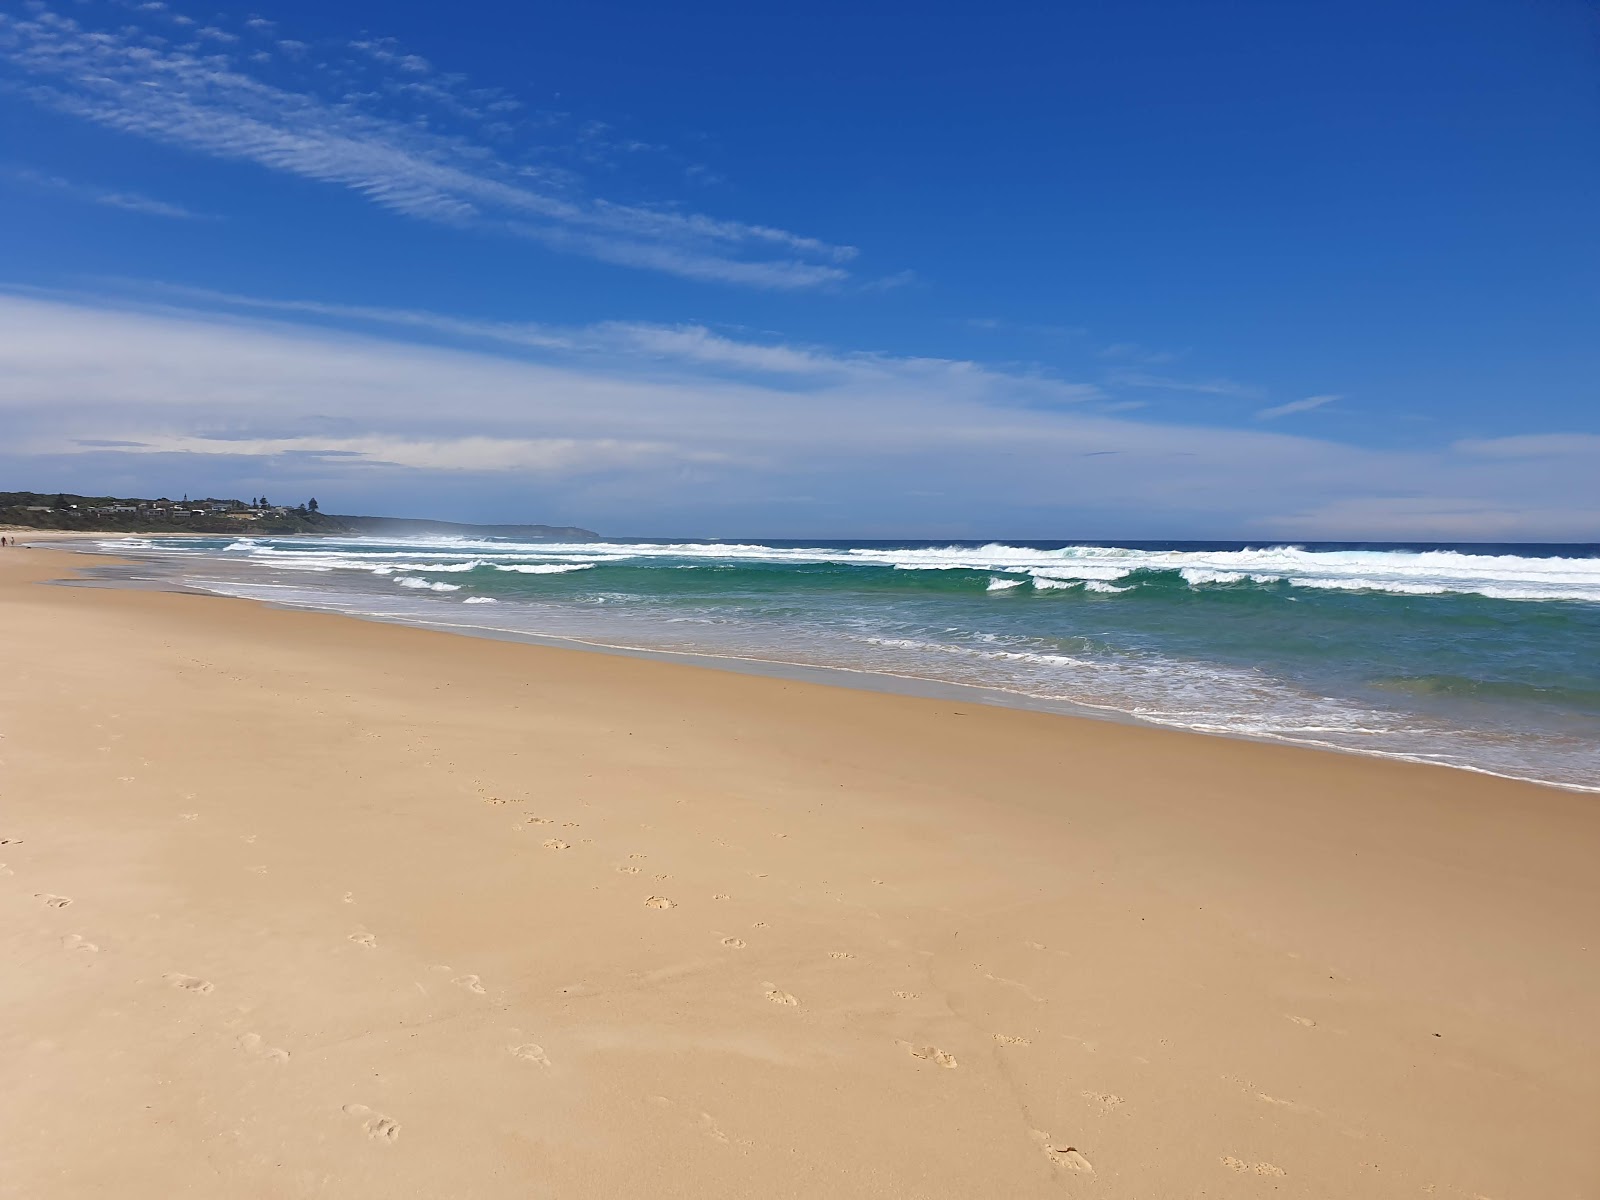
(297, 905)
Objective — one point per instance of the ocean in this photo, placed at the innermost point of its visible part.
(1480, 657)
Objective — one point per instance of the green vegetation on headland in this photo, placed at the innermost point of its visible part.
(116, 514)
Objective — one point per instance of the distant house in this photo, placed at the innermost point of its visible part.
(120, 508)
(37, 508)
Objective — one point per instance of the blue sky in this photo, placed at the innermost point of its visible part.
(1081, 270)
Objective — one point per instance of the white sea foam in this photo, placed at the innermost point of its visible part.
(1024, 653)
(544, 568)
(1402, 572)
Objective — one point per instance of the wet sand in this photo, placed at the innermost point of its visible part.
(298, 905)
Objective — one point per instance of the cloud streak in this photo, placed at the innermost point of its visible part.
(128, 201)
(684, 350)
(679, 430)
(1294, 406)
(209, 96)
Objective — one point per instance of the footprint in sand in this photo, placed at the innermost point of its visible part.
(778, 997)
(1067, 1158)
(348, 897)
(471, 982)
(364, 939)
(76, 941)
(1005, 1039)
(839, 954)
(251, 1043)
(10, 841)
(540, 821)
(529, 1052)
(189, 983)
(1252, 1168)
(50, 901)
(1104, 1099)
(557, 844)
(932, 1054)
(638, 856)
(190, 816)
(721, 896)
(1306, 1021)
(660, 902)
(627, 869)
(733, 943)
(906, 995)
(379, 1127)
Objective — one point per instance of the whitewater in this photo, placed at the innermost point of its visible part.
(1482, 658)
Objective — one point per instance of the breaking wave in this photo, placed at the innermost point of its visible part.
(1106, 570)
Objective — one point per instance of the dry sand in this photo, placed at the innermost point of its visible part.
(296, 905)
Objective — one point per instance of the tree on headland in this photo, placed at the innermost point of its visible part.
(312, 506)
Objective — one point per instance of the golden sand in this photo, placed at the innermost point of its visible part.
(296, 905)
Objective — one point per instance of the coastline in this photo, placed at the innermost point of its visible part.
(1157, 962)
(837, 675)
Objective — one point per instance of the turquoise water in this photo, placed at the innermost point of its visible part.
(1486, 658)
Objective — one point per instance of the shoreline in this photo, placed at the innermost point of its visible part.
(883, 682)
(377, 910)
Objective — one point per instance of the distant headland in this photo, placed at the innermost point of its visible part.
(133, 514)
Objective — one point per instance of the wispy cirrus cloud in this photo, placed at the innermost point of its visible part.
(1295, 406)
(128, 201)
(662, 350)
(1166, 383)
(679, 429)
(551, 456)
(209, 93)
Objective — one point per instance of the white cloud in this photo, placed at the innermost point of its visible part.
(213, 104)
(631, 346)
(1209, 387)
(1442, 518)
(676, 430)
(549, 457)
(92, 194)
(1294, 406)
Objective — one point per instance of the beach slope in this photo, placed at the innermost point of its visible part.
(296, 905)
